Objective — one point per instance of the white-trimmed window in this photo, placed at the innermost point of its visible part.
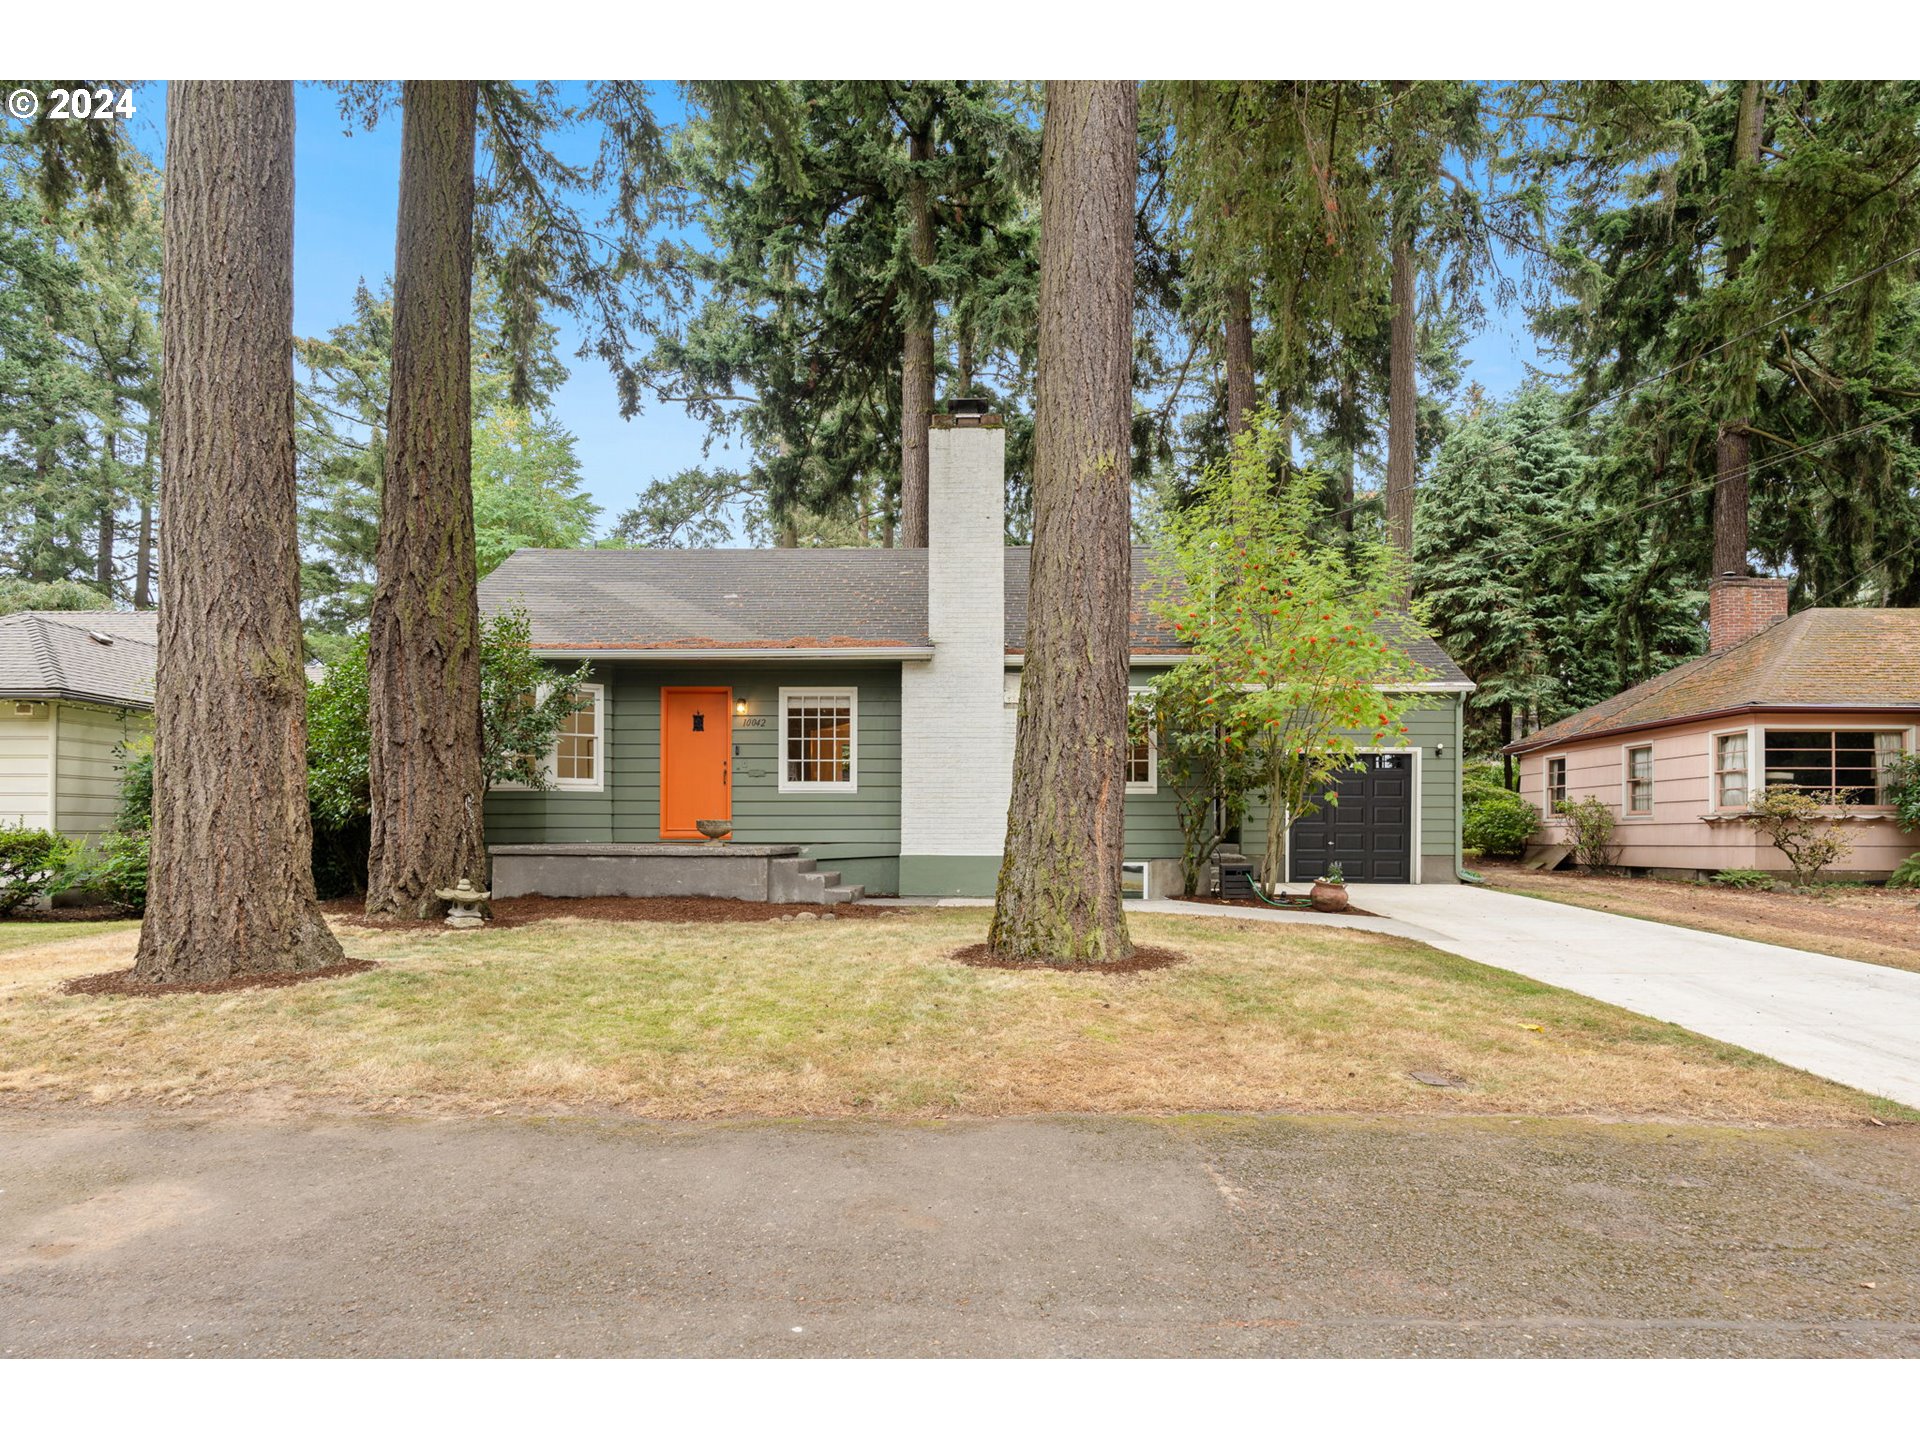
(1143, 760)
(1730, 765)
(819, 739)
(578, 759)
(1640, 780)
(1556, 783)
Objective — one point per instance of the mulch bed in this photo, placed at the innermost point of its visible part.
(671, 909)
(1289, 902)
(121, 982)
(64, 915)
(1144, 957)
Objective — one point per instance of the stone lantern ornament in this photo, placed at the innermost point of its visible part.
(465, 902)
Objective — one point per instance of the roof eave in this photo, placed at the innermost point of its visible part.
(724, 652)
(1544, 741)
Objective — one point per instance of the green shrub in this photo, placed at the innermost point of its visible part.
(116, 869)
(1499, 822)
(1800, 826)
(1900, 788)
(1743, 879)
(1590, 824)
(32, 863)
(136, 786)
(1906, 874)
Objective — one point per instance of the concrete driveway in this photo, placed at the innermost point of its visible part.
(147, 1234)
(1849, 1021)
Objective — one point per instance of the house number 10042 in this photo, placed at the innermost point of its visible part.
(750, 722)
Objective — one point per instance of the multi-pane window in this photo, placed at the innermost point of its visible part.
(1730, 771)
(576, 751)
(1556, 783)
(817, 739)
(576, 760)
(1846, 763)
(1640, 780)
(1142, 777)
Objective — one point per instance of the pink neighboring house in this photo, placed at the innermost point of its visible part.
(1819, 701)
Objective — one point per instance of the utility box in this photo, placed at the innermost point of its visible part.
(1236, 879)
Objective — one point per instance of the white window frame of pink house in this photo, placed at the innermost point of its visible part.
(1755, 735)
(1627, 812)
(1546, 784)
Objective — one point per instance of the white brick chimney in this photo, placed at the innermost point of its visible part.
(956, 771)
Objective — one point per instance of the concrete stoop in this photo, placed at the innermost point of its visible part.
(798, 881)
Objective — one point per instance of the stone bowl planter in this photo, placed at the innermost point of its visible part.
(716, 831)
(1327, 897)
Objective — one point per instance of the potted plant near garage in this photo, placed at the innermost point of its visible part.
(1329, 893)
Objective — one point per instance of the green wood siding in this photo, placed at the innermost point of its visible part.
(856, 832)
(1429, 725)
(1153, 828)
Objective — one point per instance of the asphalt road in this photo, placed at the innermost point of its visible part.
(154, 1235)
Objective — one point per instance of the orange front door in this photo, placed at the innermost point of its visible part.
(696, 760)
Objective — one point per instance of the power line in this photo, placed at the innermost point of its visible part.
(1708, 354)
(1767, 464)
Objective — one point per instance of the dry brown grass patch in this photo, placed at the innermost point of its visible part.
(677, 1021)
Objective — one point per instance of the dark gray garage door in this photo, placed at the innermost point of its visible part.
(1370, 832)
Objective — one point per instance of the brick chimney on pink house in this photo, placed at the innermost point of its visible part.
(1739, 607)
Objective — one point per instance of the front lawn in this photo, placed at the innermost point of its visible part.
(1855, 922)
(867, 1017)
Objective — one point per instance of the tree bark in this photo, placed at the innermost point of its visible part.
(916, 366)
(230, 890)
(426, 769)
(1238, 353)
(103, 547)
(1400, 380)
(1400, 403)
(1058, 900)
(1348, 423)
(1733, 449)
(143, 562)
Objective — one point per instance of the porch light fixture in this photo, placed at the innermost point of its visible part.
(740, 707)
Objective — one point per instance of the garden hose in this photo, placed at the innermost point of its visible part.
(1254, 885)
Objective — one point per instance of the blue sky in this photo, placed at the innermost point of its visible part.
(346, 190)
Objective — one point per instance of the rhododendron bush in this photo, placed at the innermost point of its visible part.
(1300, 649)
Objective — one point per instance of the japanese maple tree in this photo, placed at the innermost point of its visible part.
(1300, 650)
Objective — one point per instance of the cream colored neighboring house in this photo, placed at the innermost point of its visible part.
(75, 687)
(1818, 701)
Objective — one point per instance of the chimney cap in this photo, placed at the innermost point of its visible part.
(971, 405)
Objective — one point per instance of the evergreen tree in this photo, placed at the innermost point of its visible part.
(859, 240)
(1534, 587)
(231, 890)
(1731, 259)
(1058, 898)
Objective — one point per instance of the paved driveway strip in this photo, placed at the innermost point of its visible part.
(1845, 1020)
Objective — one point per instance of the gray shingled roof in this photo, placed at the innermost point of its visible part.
(716, 599)
(777, 600)
(52, 655)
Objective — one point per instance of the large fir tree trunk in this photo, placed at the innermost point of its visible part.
(230, 890)
(1059, 890)
(1400, 382)
(1400, 402)
(425, 756)
(916, 367)
(143, 562)
(1238, 353)
(1734, 444)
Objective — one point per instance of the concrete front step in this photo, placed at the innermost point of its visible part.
(843, 894)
